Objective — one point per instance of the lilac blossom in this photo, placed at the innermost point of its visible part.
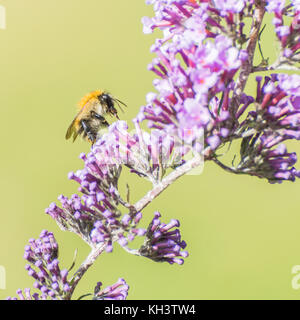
(43, 266)
(277, 116)
(149, 155)
(95, 216)
(288, 35)
(189, 106)
(191, 101)
(275, 5)
(232, 6)
(26, 295)
(187, 102)
(117, 291)
(162, 243)
(50, 280)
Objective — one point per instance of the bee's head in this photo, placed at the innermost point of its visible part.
(108, 101)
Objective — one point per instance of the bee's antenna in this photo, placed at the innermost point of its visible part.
(124, 104)
(119, 102)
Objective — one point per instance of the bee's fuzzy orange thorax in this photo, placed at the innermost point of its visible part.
(88, 97)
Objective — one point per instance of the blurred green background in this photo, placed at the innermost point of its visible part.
(242, 233)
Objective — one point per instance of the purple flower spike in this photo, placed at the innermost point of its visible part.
(162, 243)
(26, 295)
(117, 291)
(277, 118)
(43, 266)
(288, 35)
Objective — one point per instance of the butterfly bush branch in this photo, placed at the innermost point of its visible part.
(91, 258)
(247, 64)
(202, 64)
(167, 181)
(278, 65)
(227, 168)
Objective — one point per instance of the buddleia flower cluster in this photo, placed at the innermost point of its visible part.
(198, 108)
(197, 61)
(287, 24)
(51, 282)
(95, 216)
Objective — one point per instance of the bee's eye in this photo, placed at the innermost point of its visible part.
(106, 99)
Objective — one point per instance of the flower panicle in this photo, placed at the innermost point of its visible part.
(197, 93)
(177, 16)
(287, 34)
(43, 266)
(275, 120)
(117, 291)
(163, 242)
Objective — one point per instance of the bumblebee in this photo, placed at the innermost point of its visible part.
(93, 108)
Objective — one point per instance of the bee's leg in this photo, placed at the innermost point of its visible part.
(84, 128)
(87, 131)
(91, 137)
(99, 117)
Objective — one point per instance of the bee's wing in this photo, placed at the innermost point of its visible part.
(72, 130)
(75, 128)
